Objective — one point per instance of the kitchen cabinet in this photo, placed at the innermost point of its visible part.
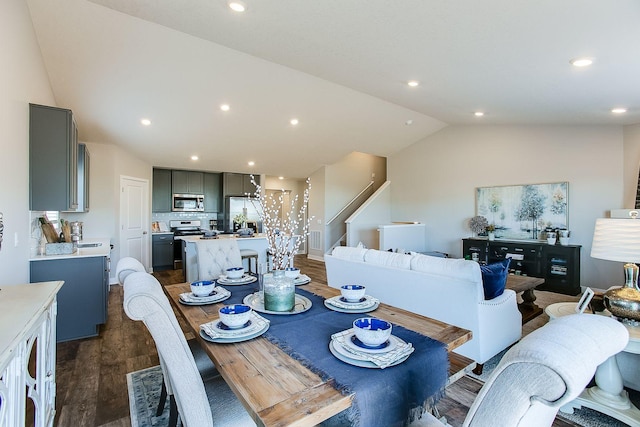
(82, 300)
(84, 164)
(238, 184)
(212, 192)
(162, 252)
(187, 182)
(558, 265)
(161, 197)
(53, 159)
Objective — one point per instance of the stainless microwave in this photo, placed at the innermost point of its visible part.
(188, 203)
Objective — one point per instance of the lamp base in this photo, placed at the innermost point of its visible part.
(623, 303)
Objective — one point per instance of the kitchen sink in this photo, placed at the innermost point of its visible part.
(89, 245)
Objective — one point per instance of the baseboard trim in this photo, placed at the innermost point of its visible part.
(316, 258)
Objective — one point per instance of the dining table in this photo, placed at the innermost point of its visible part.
(278, 389)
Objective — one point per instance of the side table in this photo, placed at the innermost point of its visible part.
(608, 395)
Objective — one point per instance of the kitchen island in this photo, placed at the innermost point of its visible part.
(82, 300)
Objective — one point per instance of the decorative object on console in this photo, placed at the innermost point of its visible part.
(286, 230)
(619, 240)
(494, 278)
(522, 211)
(478, 224)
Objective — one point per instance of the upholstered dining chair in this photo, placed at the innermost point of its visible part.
(544, 371)
(198, 402)
(215, 256)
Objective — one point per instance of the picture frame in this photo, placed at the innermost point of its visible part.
(523, 212)
(585, 299)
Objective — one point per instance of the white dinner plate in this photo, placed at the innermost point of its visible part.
(353, 342)
(235, 338)
(221, 296)
(374, 305)
(344, 356)
(244, 280)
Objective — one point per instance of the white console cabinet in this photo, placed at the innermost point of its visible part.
(28, 353)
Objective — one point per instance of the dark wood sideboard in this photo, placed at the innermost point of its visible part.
(558, 265)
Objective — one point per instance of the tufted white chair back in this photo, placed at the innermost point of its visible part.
(126, 266)
(215, 256)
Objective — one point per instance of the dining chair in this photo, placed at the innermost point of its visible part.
(215, 256)
(207, 369)
(544, 371)
(199, 402)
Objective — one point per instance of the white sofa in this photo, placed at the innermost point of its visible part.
(445, 289)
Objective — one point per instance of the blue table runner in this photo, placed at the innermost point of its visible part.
(386, 397)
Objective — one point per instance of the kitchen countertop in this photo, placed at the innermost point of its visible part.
(102, 250)
(222, 236)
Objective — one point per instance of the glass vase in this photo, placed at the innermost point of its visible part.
(279, 293)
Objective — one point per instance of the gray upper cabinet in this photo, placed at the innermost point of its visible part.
(53, 159)
(84, 166)
(238, 184)
(161, 199)
(187, 182)
(212, 192)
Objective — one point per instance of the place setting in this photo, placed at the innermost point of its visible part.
(298, 278)
(370, 344)
(204, 292)
(236, 276)
(235, 323)
(352, 299)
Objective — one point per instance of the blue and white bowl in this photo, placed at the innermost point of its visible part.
(372, 331)
(202, 288)
(235, 316)
(352, 293)
(235, 272)
(292, 272)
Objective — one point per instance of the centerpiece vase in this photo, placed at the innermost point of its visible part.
(624, 302)
(280, 293)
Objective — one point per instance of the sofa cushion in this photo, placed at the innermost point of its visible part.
(494, 278)
(458, 268)
(349, 253)
(388, 259)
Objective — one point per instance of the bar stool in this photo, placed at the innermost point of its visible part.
(249, 254)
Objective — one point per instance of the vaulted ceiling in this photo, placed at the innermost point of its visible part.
(340, 67)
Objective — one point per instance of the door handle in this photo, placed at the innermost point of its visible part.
(144, 232)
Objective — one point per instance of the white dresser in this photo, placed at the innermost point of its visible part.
(28, 333)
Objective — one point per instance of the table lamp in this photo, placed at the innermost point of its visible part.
(619, 240)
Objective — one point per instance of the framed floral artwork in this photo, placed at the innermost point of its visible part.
(523, 211)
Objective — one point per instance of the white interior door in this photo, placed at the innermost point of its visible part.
(134, 219)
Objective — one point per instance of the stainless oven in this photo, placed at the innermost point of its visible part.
(188, 203)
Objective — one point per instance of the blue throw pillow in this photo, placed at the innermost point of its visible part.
(494, 278)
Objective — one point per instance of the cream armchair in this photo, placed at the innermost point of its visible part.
(544, 371)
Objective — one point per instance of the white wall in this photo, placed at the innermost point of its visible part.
(434, 180)
(317, 210)
(631, 165)
(23, 79)
(108, 163)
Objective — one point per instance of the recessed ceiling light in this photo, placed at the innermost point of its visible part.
(478, 114)
(251, 163)
(145, 122)
(225, 107)
(413, 83)
(408, 122)
(237, 6)
(194, 157)
(281, 177)
(581, 62)
(294, 121)
(618, 110)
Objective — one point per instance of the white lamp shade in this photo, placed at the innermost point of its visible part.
(617, 240)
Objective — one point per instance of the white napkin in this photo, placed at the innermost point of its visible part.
(382, 360)
(221, 293)
(303, 278)
(369, 302)
(257, 323)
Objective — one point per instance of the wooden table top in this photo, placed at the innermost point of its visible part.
(522, 283)
(276, 389)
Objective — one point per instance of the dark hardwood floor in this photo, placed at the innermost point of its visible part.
(91, 373)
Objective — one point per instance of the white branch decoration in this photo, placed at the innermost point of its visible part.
(281, 230)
